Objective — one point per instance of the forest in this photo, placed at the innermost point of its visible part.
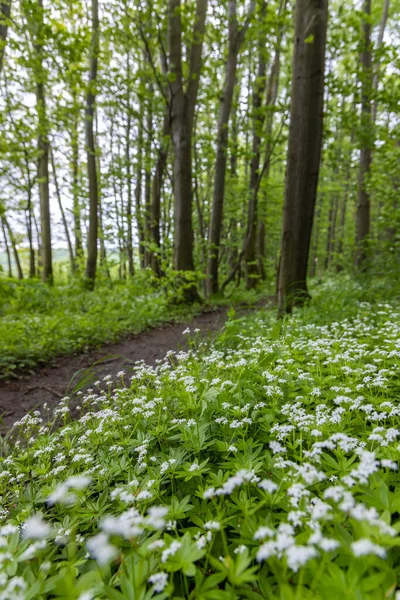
(199, 299)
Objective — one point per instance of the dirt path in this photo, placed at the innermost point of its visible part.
(50, 384)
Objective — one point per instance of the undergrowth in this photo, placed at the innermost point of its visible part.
(38, 322)
(262, 467)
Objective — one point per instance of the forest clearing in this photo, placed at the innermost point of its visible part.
(199, 299)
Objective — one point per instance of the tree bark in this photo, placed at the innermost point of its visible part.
(43, 148)
(363, 217)
(14, 247)
(304, 150)
(76, 209)
(138, 190)
(90, 273)
(182, 106)
(3, 226)
(375, 80)
(252, 273)
(235, 36)
(5, 13)
(158, 178)
(129, 224)
(147, 179)
(63, 217)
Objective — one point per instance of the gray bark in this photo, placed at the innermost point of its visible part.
(91, 263)
(304, 150)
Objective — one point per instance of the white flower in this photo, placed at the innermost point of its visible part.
(86, 596)
(266, 550)
(263, 532)
(212, 525)
(170, 551)
(297, 556)
(364, 547)
(101, 549)
(268, 486)
(159, 581)
(35, 528)
(155, 516)
(389, 464)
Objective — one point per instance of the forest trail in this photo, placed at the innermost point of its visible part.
(51, 383)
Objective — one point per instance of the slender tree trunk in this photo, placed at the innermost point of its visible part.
(129, 224)
(138, 190)
(182, 107)
(63, 217)
(314, 252)
(235, 36)
(158, 178)
(331, 233)
(147, 179)
(43, 147)
(90, 273)
(29, 209)
(304, 150)
(5, 13)
(252, 273)
(271, 97)
(375, 80)
(30, 237)
(363, 218)
(14, 247)
(10, 274)
(76, 209)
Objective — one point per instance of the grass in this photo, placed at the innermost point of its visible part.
(263, 467)
(38, 323)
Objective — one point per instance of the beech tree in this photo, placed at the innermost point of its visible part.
(304, 150)
(363, 219)
(182, 107)
(90, 272)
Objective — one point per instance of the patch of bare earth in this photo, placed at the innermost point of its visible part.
(50, 384)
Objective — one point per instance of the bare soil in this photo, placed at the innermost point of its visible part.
(50, 384)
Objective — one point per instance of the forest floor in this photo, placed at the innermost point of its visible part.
(67, 374)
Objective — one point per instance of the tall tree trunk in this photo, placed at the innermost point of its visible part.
(147, 178)
(158, 178)
(5, 13)
(252, 273)
(3, 226)
(13, 246)
(363, 218)
(76, 209)
(138, 189)
(63, 217)
(235, 40)
(375, 80)
(90, 273)
(304, 150)
(29, 210)
(129, 224)
(43, 148)
(182, 107)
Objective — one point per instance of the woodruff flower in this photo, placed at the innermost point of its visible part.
(364, 547)
(159, 581)
(36, 528)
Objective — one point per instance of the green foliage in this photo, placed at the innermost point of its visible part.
(263, 467)
(38, 323)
